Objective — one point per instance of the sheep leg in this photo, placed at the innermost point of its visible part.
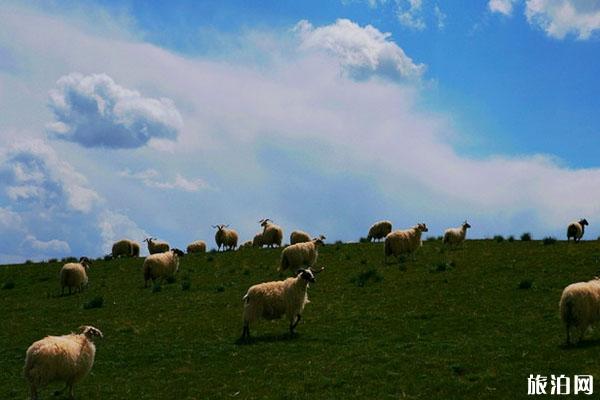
(294, 324)
(568, 335)
(33, 392)
(246, 331)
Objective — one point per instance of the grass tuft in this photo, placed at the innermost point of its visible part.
(366, 276)
(548, 240)
(525, 284)
(499, 238)
(94, 302)
(526, 237)
(8, 284)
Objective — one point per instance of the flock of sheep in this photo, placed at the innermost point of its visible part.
(70, 357)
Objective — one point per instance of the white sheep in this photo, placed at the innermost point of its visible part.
(271, 300)
(246, 245)
(199, 246)
(455, 236)
(74, 275)
(301, 255)
(126, 248)
(155, 246)
(272, 234)
(404, 241)
(576, 229)
(161, 265)
(580, 306)
(67, 358)
(257, 241)
(225, 237)
(379, 230)
(299, 237)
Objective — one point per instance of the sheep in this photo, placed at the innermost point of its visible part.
(155, 246)
(161, 265)
(125, 247)
(67, 358)
(301, 254)
(379, 230)
(227, 238)
(404, 241)
(576, 229)
(74, 275)
(246, 245)
(199, 246)
(579, 306)
(271, 300)
(258, 240)
(299, 237)
(455, 236)
(272, 234)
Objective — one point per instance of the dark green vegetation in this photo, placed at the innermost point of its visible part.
(467, 323)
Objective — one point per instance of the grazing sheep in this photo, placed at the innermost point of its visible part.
(126, 248)
(299, 237)
(580, 306)
(227, 238)
(271, 300)
(301, 254)
(155, 246)
(404, 242)
(74, 275)
(379, 230)
(161, 265)
(67, 358)
(135, 249)
(272, 234)
(258, 240)
(246, 245)
(196, 247)
(455, 236)
(576, 229)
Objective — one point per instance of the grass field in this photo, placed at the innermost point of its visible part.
(449, 325)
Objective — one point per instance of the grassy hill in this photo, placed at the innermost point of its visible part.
(452, 324)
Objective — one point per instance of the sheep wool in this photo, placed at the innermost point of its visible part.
(198, 246)
(272, 234)
(301, 255)
(379, 230)
(404, 241)
(161, 265)
(74, 275)
(225, 237)
(455, 236)
(579, 307)
(122, 248)
(155, 246)
(576, 230)
(257, 241)
(135, 249)
(299, 237)
(272, 300)
(67, 358)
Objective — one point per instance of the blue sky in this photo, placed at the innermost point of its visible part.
(127, 119)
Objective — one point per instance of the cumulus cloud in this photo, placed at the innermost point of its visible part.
(362, 51)
(410, 14)
(559, 18)
(440, 16)
(94, 111)
(504, 7)
(116, 226)
(51, 247)
(151, 178)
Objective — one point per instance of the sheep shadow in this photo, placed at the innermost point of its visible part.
(584, 344)
(285, 337)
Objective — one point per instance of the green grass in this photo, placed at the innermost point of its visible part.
(458, 324)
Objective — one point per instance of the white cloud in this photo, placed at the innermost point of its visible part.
(150, 178)
(94, 111)
(440, 17)
(51, 247)
(360, 50)
(116, 226)
(504, 7)
(410, 14)
(559, 18)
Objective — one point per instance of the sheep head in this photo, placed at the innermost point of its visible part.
(90, 332)
(422, 227)
(466, 224)
(85, 262)
(583, 221)
(178, 252)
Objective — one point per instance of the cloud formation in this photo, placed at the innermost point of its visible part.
(94, 111)
(409, 14)
(559, 18)
(504, 7)
(361, 51)
(151, 178)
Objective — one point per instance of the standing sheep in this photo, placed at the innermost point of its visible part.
(74, 275)
(299, 237)
(580, 307)
(155, 246)
(135, 249)
(246, 245)
(271, 300)
(301, 254)
(404, 242)
(455, 236)
(379, 230)
(576, 229)
(258, 240)
(225, 237)
(67, 358)
(126, 248)
(161, 265)
(272, 234)
(199, 246)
